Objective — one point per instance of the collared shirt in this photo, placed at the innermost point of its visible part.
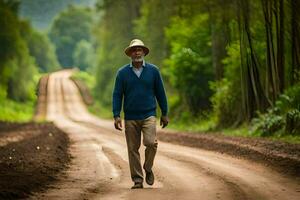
(138, 71)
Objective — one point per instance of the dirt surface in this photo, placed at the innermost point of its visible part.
(281, 156)
(31, 157)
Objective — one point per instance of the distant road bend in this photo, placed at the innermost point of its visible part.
(99, 168)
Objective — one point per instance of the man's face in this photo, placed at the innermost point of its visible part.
(137, 54)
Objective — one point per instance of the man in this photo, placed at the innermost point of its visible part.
(140, 84)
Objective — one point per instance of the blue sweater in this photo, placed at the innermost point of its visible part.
(139, 94)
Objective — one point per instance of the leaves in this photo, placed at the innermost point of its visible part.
(70, 27)
(215, 55)
(17, 66)
(188, 64)
(283, 118)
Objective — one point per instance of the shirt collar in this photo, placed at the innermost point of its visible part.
(144, 64)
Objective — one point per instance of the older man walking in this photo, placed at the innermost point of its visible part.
(140, 85)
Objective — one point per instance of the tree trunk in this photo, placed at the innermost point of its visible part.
(219, 23)
(254, 98)
(272, 89)
(280, 46)
(295, 4)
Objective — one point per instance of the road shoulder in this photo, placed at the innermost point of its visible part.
(281, 156)
(34, 156)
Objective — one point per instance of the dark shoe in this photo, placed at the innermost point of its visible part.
(149, 178)
(137, 186)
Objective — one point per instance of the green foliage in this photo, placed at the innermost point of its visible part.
(268, 123)
(16, 111)
(97, 108)
(293, 122)
(151, 24)
(227, 91)
(7, 37)
(17, 67)
(84, 55)
(189, 123)
(101, 110)
(40, 48)
(70, 27)
(217, 54)
(43, 51)
(189, 65)
(21, 85)
(88, 79)
(42, 12)
(224, 101)
(283, 118)
(113, 33)
(155, 17)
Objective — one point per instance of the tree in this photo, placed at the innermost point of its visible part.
(83, 55)
(252, 92)
(113, 34)
(295, 37)
(8, 41)
(17, 67)
(190, 64)
(43, 51)
(238, 55)
(220, 14)
(274, 9)
(40, 48)
(42, 12)
(70, 27)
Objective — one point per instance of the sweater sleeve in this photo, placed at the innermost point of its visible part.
(161, 94)
(117, 96)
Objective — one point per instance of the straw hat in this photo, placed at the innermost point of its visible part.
(136, 43)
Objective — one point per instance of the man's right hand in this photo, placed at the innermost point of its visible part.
(164, 121)
(118, 123)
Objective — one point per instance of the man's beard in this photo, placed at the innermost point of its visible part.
(138, 59)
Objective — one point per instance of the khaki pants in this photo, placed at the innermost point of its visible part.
(133, 131)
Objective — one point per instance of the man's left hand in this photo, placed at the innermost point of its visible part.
(164, 121)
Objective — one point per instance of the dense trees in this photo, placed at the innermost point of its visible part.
(41, 12)
(237, 56)
(40, 48)
(114, 31)
(23, 52)
(193, 56)
(84, 55)
(16, 65)
(68, 29)
(295, 41)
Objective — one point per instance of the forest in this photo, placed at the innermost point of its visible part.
(226, 64)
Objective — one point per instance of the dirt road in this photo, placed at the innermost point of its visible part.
(99, 168)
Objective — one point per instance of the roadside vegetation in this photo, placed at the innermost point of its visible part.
(70, 32)
(97, 108)
(228, 66)
(16, 111)
(24, 55)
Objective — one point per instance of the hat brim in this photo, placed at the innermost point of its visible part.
(145, 49)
